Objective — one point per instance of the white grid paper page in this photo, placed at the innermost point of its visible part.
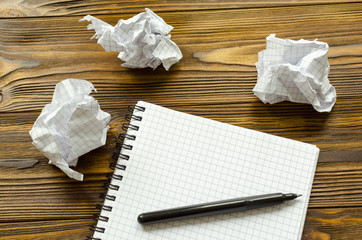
(142, 41)
(70, 126)
(179, 159)
(296, 71)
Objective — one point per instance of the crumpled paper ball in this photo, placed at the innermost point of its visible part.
(296, 71)
(70, 126)
(142, 41)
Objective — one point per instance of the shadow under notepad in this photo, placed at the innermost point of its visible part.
(215, 219)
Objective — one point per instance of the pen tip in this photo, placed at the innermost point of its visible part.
(299, 195)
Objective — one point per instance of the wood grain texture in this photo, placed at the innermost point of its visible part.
(329, 223)
(18, 163)
(40, 57)
(44, 192)
(45, 230)
(37, 8)
(321, 224)
(43, 43)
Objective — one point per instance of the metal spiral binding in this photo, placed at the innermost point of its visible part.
(114, 165)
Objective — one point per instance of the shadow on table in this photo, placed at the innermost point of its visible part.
(290, 116)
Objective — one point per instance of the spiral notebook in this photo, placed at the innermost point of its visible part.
(171, 159)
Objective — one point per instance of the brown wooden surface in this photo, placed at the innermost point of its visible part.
(42, 43)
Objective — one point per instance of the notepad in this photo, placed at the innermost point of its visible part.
(171, 159)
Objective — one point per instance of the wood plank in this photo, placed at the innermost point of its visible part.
(44, 192)
(220, 42)
(321, 224)
(219, 47)
(29, 8)
(337, 184)
(339, 131)
(36, 196)
(42, 198)
(45, 230)
(327, 224)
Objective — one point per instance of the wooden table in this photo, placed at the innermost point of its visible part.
(42, 43)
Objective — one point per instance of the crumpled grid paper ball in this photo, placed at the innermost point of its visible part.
(70, 126)
(296, 71)
(142, 41)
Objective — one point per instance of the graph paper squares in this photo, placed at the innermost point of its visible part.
(180, 159)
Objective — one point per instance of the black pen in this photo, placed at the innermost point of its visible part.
(218, 207)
